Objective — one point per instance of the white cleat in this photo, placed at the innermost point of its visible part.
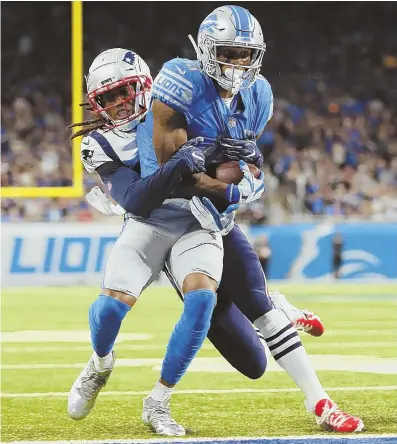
(157, 415)
(302, 320)
(86, 388)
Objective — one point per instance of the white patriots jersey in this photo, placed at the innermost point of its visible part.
(101, 146)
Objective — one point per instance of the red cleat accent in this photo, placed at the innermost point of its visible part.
(309, 323)
(330, 417)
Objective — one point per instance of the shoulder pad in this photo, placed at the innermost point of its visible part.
(263, 97)
(263, 84)
(92, 154)
(174, 85)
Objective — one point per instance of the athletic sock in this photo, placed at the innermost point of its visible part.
(287, 349)
(104, 363)
(161, 393)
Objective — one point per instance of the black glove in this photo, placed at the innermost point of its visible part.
(247, 150)
(192, 155)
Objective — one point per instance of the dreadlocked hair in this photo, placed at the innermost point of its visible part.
(88, 125)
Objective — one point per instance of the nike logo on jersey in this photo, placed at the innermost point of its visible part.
(181, 71)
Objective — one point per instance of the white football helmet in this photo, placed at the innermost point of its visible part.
(115, 68)
(230, 26)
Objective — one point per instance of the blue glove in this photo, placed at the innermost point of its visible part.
(210, 218)
(247, 150)
(248, 189)
(192, 155)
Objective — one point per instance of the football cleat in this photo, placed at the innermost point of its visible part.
(330, 417)
(303, 320)
(157, 415)
(308, 322)
(86, 388)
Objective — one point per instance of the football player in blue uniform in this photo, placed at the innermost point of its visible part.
(112, 153)
(222, 97)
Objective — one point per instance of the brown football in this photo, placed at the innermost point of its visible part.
(230, 172)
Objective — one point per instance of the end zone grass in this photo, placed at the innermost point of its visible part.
(360, 321)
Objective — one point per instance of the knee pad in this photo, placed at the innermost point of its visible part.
(105, 317)
(198, 308)
(107, 310)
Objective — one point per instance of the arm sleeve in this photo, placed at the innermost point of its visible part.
(140, 196)
(174, 87)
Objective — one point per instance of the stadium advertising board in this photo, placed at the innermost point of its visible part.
(75, 254)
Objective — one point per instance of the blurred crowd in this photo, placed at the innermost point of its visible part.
(330, 149)
(340, 163)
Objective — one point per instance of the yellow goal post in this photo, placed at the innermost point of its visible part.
(77, 188)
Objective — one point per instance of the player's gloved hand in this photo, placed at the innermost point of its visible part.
(98, 199)
(212, 151)
(247, 150)
(192, 155)
(210, 218)
(249, 189)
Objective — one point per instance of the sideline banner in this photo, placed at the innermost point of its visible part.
(56, 253)
(76, 253)
(304, 251)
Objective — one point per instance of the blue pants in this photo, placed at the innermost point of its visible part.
(242, 298)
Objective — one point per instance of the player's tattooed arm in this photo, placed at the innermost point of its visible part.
(202, 185)
(169, 131)
(169, 134)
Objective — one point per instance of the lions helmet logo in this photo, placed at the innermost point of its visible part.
(209, 24)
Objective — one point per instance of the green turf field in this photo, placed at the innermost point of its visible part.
(46, 343)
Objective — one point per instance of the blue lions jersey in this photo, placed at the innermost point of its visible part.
(183, 86)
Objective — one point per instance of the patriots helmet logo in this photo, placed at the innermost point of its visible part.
(129, 57)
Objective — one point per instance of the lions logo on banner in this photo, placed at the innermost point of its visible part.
(129, 57)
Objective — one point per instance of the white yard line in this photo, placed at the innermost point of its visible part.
(71, 348)
(146, 347)
(59, 336)
(264, 439)
(204, 391)
(329, 362)
(369, 332)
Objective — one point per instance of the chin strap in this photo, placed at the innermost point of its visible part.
(195, 47)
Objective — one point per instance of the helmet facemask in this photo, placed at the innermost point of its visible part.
(134, 103)
(230, 26)
(238, 76)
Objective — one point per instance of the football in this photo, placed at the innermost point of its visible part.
(230, 172)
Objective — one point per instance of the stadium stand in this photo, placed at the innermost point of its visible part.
(330, 148)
